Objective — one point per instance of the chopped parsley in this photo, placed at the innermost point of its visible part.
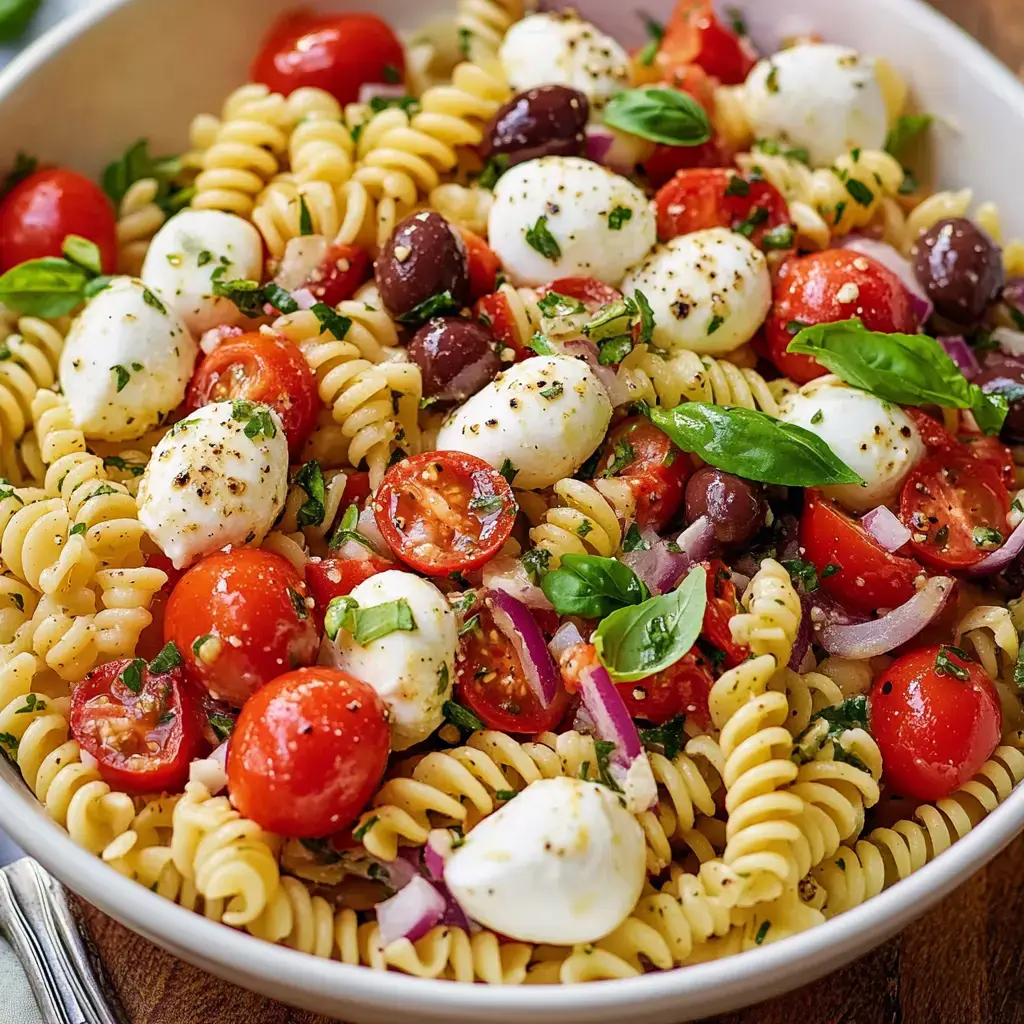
(758, 215)
(331, 320)
(803, 573)
(987, 537)
(360, 833)
(555, 304)
(310, 478)
(738, 186)
(603, 750)
(762, 932)
(76, 531)
(508, 470)
(860, 192)
(623, 455)
(780, 237)
(169, 658)
(944, 663)
(618, 217)
(131, 676)
(460, 717)
(493, 170)
(668, 736)
(553, 390)
(488, 504)
(121, 376)
(716, 322)
(541, 240)
(257, 419)
(536, 562)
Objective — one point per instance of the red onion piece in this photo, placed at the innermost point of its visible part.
(804, 636)
(880, 636)
(962, 354)
(661, 566)
(599, 142)
(1001, 558)
(697, 539)
(411, 912)
(508, 574)
(435, 854)
(886, 528)
(302, 256)
(567, 636)
(618, 393)
(304, 298)
(516, 621)
(891, 259)
(379, 90)
(616, 152)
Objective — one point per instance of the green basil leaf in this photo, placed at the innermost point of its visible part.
(637, 641)
(540, 239)
(460, 716)
(222, 725)
(905, 131)
(660, 115)
(907, 369)
(369, 624)
(247, 295)
(592, 586)
(753, 445)
(441, 304)
(168, 658)
(83, 253)
(47, 287)
(311, 479)
(15, 16)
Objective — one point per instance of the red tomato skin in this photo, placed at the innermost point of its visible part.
(494, 310)
(695, 36)
(41, 211)
(592, 293)
(328, 578)
(992, 452)
(666, 161)
(721, 607)
(680, 689)
(935, 731)
(163, 771)
(249, 596)
(264, 369)
(806, 293)
(483, 265)
(869, 577)
(334, 52)
(342, 270)
(307, 753)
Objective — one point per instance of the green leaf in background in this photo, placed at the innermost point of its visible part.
(136, 164)
(15, 16)
(905, 132)
(660, 115)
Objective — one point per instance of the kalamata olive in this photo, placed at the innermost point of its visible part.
(1007, 378)
(735, 506)
(424, 258)
(960, 269)
(457, 357)
(546, 121)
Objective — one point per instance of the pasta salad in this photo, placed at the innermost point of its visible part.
(505, 508)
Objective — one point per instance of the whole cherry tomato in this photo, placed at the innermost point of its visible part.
(308, 751)
(721, 607)
(260, 368)
(338, 53)
(681, 689)
(240, 618)
(695, 36)
(483, 265)
(936, 717)
(143, 726)
(340, 273)
(826, 287)
(41, 211)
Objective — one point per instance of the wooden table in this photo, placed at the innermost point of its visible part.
(962, 964)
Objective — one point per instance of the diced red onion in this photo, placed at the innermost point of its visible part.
(516, 621)
(212, 339)
(697, 539)
(618, 393)
(660, 566)
(804, 635)
(616, 151)
(304, 298)
(380, 90)
(879, 636)
(599, 142)
(886, 528)
(509, 574)
(302, 256)
(1001, 558)
(962, 354)
(567, 636)
(891, 259)
(1009, 341)
(411, 912)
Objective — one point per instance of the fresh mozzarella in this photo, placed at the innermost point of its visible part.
(541, 419)
(875, 439)
(823, 98)
(563, 862)
(412, 669)
(185, 254)
(563, 49)
(710, 291)
(126, 362)
(562, 216)
(218, 477)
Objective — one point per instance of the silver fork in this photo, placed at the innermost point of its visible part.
(37, 921)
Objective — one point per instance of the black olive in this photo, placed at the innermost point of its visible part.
(546, 121)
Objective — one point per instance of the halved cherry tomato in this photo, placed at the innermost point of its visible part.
(338, 53)
(852, 566)
(142, 728)
(41, 211)
(340, 273)
(264, 369)
(721, 607)
(491, 683)
(936, 718)
(826, 287)
(695, 36)
(666, 161)
(483, 265)
(935, 436)
(992, 452)
(655, 468)
(328, 578)
(308, 751)
(680, 689)
(240, 618)
(494, 310)
(956, 508)
(444, 512)
(719, 198)
(592, 293)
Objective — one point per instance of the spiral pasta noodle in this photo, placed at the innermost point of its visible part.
(139, 218)
(772, 612)
(464, 206)
(583, 522)
(30, 354)
(990, 630)
(483, 24)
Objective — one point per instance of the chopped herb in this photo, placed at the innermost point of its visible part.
(493, 170)
(9, 742)
(508, 471)
(817, 417)
(504, 795)
(246, 295)
(553, 390)
(83, 253)
(132, 675)
(584, 770)
(612, 351)
(738, 186)
(944, 662)
(465, 39)
(555, 304)
(540, 344)
(795, 327)
(780, 237)
(830, 570)
(905, 132)
(736, 20)
(771, 147)
(460, 717)
(633, 541)
(407, 104)
(541, 240)
(584, 528)
(76, 531)
(487, 503)
(839, 211)
(305, 218)
(771, 83)
(18, 600)
(603, 750)
(803, 573)
(442, 680)
(762, 932)
(471, 625)
(441, 304)
(150, 299)
(337, 612)
(298, 604)
(941, 536)
(618, 217)
(757, 216)
(535, 562)
(166, 718)
(457, 577)
(360, 833)
(391, 74)
(370, 624)
(121, 376)
(199, 641)
(668, 736)
(986, 537)
(623, 455)
(204, 257)
(716, 322)
(310, 478)
(168, 659)
(279, 298)
(860, 192)
(257, 418)
(33, 702)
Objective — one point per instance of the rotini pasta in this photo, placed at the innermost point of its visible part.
(584, 522)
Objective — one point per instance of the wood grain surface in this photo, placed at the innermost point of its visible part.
(961, 964)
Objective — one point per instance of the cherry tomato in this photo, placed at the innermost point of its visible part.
(41, 211)
(491, 683)
(483, 265)
(719, 198)
(592, 293)
(338, 53)
(444, 512)
(936, 718)
(142, 728)
(664, 163)
(328, 578)
(654, 467)
(955, 507)
(808, 292)
(240, 618)
(695, 36)
(264, 369)
(852, 566)
(340, 273)
(934, 435)
(992, 452)
(308, 752)
(721, 607)
(495, 310)
(680, 689)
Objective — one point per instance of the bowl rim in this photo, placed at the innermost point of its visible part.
(745, 976)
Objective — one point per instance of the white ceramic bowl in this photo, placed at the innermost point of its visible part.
(123, 69)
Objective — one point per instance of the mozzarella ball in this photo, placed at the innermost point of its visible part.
(412, 670)
(185, 254)
(126, 362)
(562, 216)
(543, 417)
(710, 291)
(209, 485)
(563, 49)
(563, 862)
(875, 439)
(823, 98)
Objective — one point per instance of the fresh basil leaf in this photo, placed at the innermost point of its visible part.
(311, 479)
(905, 131)
(460, 716)
(592, 586)
(168, 658)
(752, 445)
(245, 294)
(640, 640)
(668, 736)
(907, 369)
(944, 662)
(493, 170)
(540, 239)
(441, 304)
(47, 287)
(331, 320)
(83, 253)
(660, 115)
(279, 298)
(369, 624)
(131, 675)
(15, 16)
